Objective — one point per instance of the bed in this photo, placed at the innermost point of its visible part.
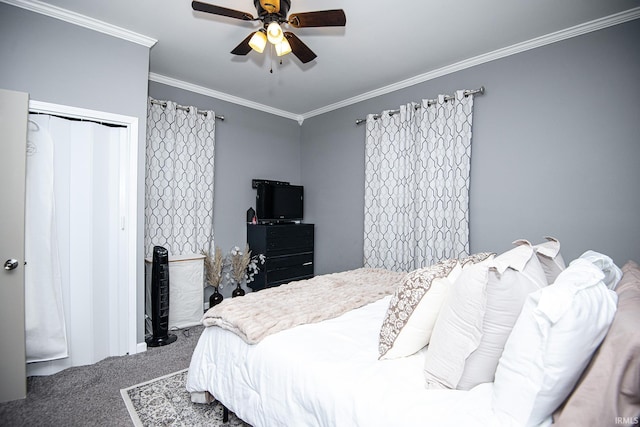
(319, 367)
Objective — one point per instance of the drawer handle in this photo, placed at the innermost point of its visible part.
(308, 263)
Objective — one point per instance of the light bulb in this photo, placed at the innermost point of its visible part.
(274, 33)
(258, 41)
(283, 47)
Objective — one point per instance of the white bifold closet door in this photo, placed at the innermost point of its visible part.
(86, 214)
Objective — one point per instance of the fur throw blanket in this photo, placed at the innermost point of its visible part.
(259, 314)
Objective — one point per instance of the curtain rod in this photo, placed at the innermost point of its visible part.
(75, 119)
(183, 107)
(430, 102)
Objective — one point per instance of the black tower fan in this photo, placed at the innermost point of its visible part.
(160, 299)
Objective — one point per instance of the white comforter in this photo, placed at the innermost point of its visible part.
(328, 374)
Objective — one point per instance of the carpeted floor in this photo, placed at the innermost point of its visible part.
(90, 395)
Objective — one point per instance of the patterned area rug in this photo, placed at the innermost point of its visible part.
(165, 401)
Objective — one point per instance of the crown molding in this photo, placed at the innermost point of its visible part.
(82, 21)
(587, 27)
(557, 36)
(223, 96)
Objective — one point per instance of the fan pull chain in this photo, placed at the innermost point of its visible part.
(271, 52)
(271, 48)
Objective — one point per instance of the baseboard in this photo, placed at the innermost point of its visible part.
(141, 347)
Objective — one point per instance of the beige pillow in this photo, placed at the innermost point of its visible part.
(413, 309)
(457, 330)
(512, 277)
(549, 256)
(477, 316)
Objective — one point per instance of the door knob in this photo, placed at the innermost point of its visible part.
(11, 264)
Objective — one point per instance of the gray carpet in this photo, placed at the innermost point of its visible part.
(90, 395)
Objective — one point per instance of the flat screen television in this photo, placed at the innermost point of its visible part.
(279, 202)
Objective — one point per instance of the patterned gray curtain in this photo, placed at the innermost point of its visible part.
(417, 165)
(179, 178)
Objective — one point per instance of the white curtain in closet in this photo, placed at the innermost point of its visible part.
(417, 166)
(179, 178)
(45, 327)
(72, 236)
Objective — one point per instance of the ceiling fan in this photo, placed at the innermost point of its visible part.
(272, 13)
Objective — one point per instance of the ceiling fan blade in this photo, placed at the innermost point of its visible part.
(299, 49)
(243, 48)
(322, 18)
(222, 11)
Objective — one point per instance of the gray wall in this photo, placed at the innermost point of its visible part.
(555, 145)
(555, 152)
(249, 144)
(66, 64)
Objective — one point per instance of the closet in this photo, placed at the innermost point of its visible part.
(80, 219)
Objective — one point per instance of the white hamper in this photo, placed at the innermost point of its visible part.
(186, 293)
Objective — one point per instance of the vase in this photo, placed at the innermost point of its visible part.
(215, 298)
(238, 291)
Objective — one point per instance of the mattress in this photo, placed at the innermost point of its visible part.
(328, 374)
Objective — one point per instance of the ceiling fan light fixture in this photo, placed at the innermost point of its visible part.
(273, 13)
(258, 41)
(283, 47)
(274, 33)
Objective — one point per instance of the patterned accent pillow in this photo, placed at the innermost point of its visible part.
(476, 258)
(414, 307)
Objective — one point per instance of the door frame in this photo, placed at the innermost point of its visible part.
(127, 313)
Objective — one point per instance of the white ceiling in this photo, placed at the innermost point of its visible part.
(384, 46)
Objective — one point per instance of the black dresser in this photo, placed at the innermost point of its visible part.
(288, 249)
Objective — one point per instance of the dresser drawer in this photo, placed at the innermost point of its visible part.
(288, 261)
(289, 239)
(289, 273)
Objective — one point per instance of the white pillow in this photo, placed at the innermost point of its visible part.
(612, 273)
(552, 342)
(512, 276)
(413, 309)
